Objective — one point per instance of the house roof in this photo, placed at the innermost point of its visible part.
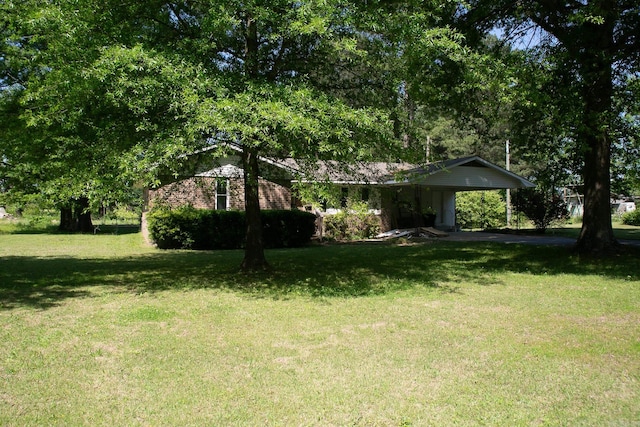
(360, 173)
(461, 174)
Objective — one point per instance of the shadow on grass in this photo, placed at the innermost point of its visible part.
(621, 232)
(318, 272)
(53, 229)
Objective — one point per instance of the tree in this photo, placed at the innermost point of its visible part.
(541, 206)
(626, 144)
(65, 134)
(128, 89)
(594, 42)
(15, 55)
(48, 144)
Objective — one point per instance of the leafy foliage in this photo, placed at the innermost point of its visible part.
(354, 222)
(541, 207)
(189, 228)
(631, 218)
(570, 91)
(480, 209)
(287, 228)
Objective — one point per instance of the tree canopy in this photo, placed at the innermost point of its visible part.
(98, 96)
(118, 91)
(582, 61)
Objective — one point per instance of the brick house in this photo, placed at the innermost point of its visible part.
(399, 193)
(221, 188)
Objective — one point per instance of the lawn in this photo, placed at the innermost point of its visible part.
(102, 330)
(620, 231)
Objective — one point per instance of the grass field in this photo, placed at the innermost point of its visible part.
(102, 330)
(620, 231)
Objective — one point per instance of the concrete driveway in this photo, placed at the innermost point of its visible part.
(550, 240)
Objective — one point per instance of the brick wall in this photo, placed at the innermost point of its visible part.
(200, 192)
(274, 196)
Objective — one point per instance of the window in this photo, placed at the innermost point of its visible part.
(222, 194)
(345, 197)
(365, 195)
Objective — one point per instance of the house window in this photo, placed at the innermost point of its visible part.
(365, 195)
(222, 194)
(345, 197)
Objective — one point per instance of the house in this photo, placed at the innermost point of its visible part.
(574, 200)
(403, 195)
(3, 213)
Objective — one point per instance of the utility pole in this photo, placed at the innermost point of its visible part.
(508, 166)
(428, 150)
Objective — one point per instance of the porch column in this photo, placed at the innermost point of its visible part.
(447, 211)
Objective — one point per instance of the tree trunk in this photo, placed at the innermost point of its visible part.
(66, 218)
(254, 258)
(83, 216)
(596, 69)
(75, 216)
(596, 236)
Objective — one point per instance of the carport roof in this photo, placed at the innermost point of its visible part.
(465, 173)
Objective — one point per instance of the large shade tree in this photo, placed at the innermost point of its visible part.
(592, 51)
(63, 135)
(15, 55)
(125, 90)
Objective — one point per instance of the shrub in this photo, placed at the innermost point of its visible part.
(541, 208)
(287, 228)
(189, 228)
(480, 209)
(353, 223)
(631, 218)
(174, 228)
(222, 229)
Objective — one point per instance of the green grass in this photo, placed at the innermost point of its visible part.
(102, 330)
(620, 231)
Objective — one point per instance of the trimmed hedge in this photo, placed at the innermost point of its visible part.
(287, 228)
(189, 228)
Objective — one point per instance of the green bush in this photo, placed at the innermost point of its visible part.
(631, 218)
(541, 207)
(287, 228)
(353, 223)
(174, 228)
(480, 209)
(189, 228)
